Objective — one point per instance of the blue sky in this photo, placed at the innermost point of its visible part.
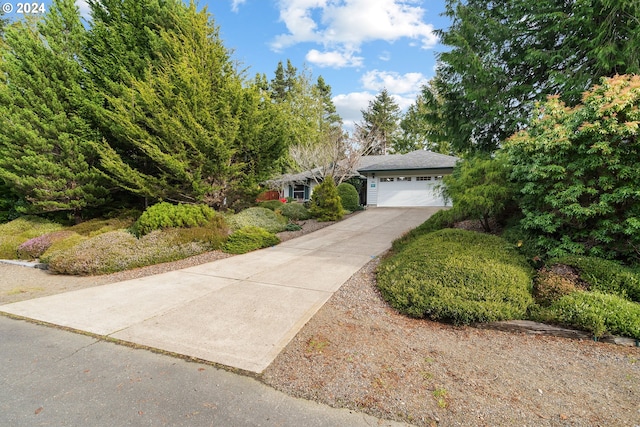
(358, 46)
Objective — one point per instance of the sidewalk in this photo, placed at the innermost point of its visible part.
(240, 311)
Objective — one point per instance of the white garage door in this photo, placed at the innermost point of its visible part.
(409, 191)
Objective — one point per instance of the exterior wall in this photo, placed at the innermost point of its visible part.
(372, 190)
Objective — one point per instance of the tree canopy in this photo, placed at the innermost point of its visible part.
(506, 55)
(380, 122)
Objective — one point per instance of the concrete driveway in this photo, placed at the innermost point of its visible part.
(240, 311)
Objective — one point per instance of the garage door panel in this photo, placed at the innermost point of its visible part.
(408, 193)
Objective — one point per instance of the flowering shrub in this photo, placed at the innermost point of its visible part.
(119, 250)
(18, 231)
(34, 248)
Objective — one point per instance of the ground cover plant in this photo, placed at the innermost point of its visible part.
(248, 239)
(120, 250)
(258, 217)
(457, 276)
(16, 232)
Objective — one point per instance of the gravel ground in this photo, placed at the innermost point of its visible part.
(358, 353)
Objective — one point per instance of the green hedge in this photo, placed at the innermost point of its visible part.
(271, 204)
(457, 276)
(258, 217)
(442, 219)
(295, 211)
(248, 239)
(349, 196)
(604, 275)
(165, 215)
(597, 313)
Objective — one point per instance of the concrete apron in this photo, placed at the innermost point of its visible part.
(240, 311)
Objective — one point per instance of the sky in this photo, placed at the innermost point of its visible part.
(359, 47)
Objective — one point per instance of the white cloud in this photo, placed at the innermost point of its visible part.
(333, 59)
(385, 56)
(344, 25)
(85, 10)
(395, 83)
(235, 4)
(350, 107)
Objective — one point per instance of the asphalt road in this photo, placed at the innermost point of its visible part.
(52, 377)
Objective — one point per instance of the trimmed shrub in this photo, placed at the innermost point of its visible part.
(96, 226)
(549, 286)
(295, 211)
(348, 196)
(445, 218)
(166, 215)
(271, 204)
(62, 245)
(325, 204)
(258, 217)
(458, 276)
(248, 239)
(598, 313)
(119, 250)
(18, 231)
(604, 275)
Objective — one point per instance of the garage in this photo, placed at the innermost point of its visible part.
(407, 180)
(407, 191)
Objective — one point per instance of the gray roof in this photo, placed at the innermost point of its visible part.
(419, 159)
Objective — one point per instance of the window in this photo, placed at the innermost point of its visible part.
(386, 179)
(423, 178)
(298, 191)
(404, 178)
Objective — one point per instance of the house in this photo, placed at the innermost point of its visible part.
(395, 180)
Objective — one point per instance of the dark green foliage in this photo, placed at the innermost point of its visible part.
(166, 215)
(604, 275)
(258, 217)
(46, 154)
(10, 203)
(249, 239)
(380, 124)
(597, 313)
(504, 56)
(577, 171)
(445, 218)
(292, 227)
(295, 211)
(349, 197)
(325, 202)
(274, 205)
(479, 188)
(457, 276)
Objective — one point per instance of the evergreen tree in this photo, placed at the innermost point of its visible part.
(45, 142)
(380, 123)
(330, 114)
(417, 129)
(201, 136)
(505, 56)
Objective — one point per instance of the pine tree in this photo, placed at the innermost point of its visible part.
(380, 123)
(45, 142)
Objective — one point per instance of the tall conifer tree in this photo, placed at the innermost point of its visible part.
(45, 143)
